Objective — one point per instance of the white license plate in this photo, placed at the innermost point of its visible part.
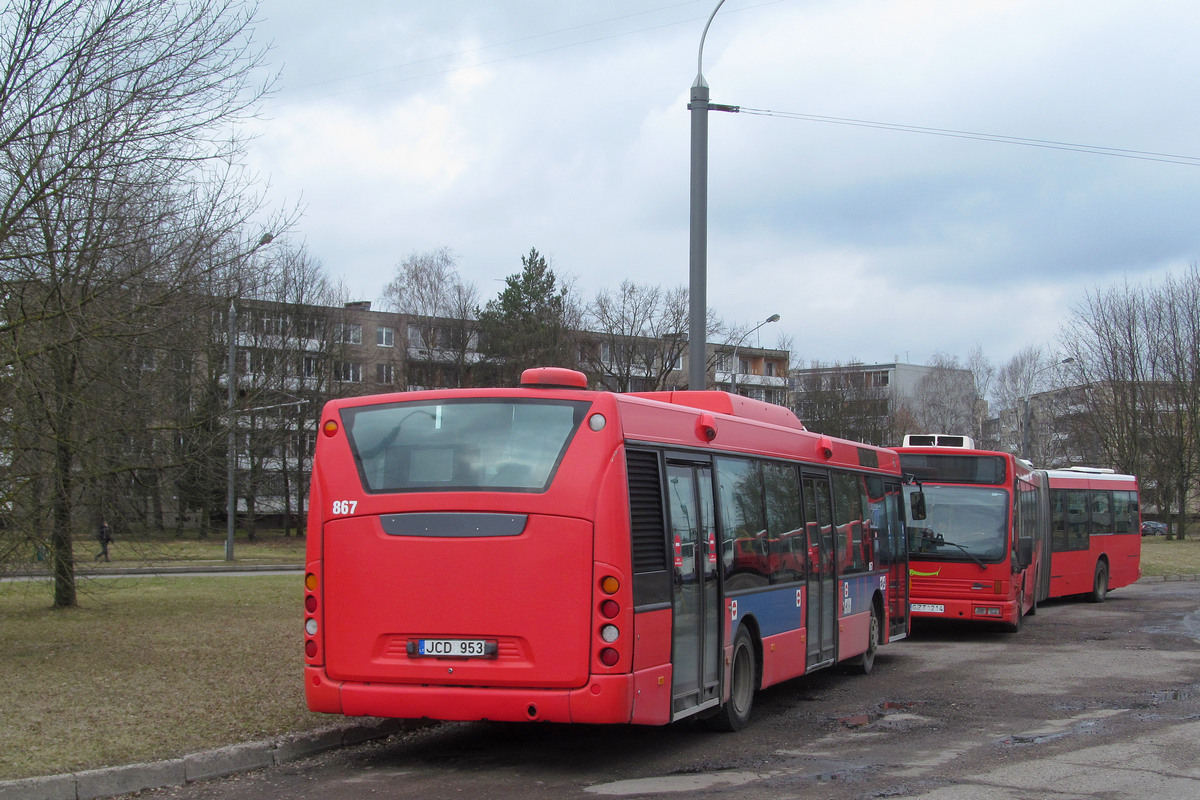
(928, 608)
(452, 648)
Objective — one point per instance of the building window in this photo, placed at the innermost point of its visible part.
(349, 333)
(385, 337)
(385, 374)
(270, 324)
(348, 372)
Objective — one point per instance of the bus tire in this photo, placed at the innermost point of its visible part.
(866, 662)
(1099, 584)
(743, 682)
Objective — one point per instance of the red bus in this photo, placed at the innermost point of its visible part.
(982, 551)
(1095, 532)
(549, 553)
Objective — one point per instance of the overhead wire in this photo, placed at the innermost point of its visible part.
(1050, 144)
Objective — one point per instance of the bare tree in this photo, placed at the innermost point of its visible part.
(1134, 363)
(439, 309)
(945, 398)
(845, 400)
(984, 376)
(117, 177)
(638, 337)
(288, 376)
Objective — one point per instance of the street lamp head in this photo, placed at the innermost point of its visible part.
(773, 318)
(1068, 360)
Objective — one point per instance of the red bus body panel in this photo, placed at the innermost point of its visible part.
(1073, 571)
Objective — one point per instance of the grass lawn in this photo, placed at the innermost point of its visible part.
(147, 668)
(1160, 557)
(268, 548)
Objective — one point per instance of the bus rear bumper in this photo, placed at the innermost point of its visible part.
(605, 699)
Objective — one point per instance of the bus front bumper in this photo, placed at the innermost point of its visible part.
(975, 609)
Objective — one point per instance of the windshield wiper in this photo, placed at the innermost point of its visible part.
(966, 552)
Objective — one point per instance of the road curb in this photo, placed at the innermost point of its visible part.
(114, 781)
(1167, 578)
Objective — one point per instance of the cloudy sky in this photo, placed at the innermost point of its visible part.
(494, 126)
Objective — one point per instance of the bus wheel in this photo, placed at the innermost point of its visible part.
(866, 662)
(743, 681)
(1100, 584)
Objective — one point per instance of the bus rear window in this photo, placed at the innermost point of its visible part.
(484, 445)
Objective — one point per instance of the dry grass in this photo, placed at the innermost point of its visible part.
(1162, 557)
(138, 551)
(147, 668)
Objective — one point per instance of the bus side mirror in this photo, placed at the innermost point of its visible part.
(916, 502)
(1024, 551)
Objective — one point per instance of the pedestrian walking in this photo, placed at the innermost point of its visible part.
(104, 537)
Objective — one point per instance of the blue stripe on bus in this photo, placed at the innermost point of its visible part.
(778, 610)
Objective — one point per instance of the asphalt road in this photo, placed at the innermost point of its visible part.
(1087, 701)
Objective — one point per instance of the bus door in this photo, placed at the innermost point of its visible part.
(821, 617)
(696, 632)
(897, 566)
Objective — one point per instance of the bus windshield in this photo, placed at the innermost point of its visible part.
(492, 444)
(962, 523)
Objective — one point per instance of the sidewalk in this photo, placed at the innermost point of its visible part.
(114, 781)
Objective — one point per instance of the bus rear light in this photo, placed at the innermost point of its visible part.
(610, 585)
(610, 609)
(310, 582)
(609, 657)
(310, 649)
(330, 428)
(610, 633)
(310, 627)
(310, 604)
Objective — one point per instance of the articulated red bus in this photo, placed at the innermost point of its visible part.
(983, 550)
(1095, 532)
(552, 553)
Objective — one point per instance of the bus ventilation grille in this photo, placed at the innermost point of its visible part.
(646, 511)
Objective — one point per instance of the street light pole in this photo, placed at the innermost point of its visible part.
(742, 338)
(698, 247)
(1026, 411)
(231, 446)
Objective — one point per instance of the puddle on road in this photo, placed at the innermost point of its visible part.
(867, 717)
(1173, 695)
